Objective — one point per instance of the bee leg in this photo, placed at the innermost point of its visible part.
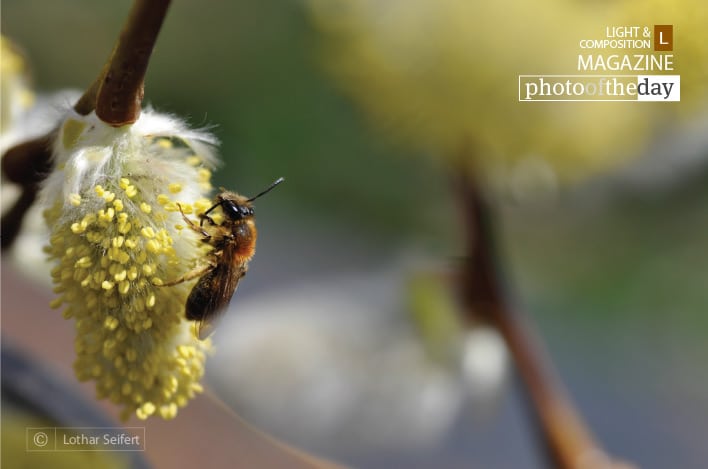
(203, 217)
(192, 274)
(193, 226)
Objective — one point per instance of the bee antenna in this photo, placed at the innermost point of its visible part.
(275, 183)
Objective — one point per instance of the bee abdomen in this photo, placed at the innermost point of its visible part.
(200, 303)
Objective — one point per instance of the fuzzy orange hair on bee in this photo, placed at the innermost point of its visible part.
(234, 244)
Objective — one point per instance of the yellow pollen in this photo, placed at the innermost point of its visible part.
(203, 175)
(110, 323)
(106, 216)
(202, 205)
(175, 187)
(83, 262)
(145, 410)
(148, 232)
(153, 246)
(184, 351)
(168, 412)
(124, 228)
(75, 200)
(171, 207)
(197, 387)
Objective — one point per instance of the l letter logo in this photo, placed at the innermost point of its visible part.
(663, 37)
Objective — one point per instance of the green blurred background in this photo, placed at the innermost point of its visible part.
(615, 275)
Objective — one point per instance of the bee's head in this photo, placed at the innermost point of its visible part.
(237, 207)
(235, 211)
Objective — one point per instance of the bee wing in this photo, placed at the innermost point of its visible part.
(204, 329)
(214, 297)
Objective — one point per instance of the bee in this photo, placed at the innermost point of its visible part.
(234, 243)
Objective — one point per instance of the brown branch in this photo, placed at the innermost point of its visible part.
(117, 93)
(116, 96)
(570, 442)
(26, 164)
(12, 219)
(120, 93)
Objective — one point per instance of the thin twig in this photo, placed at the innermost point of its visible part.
(120, 94)
(570, 442)
(87, 102)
